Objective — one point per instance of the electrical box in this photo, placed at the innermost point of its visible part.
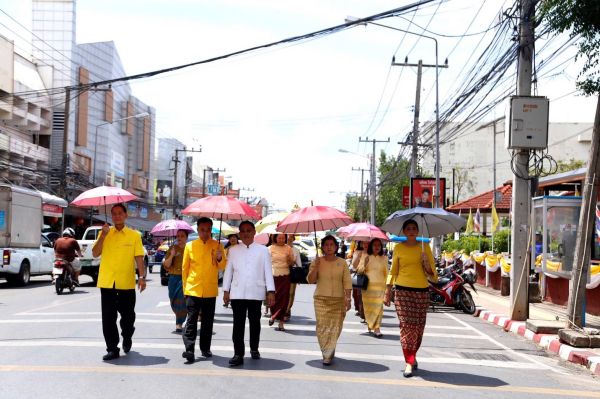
(527, 123)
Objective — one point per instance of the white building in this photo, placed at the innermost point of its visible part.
(471, 155)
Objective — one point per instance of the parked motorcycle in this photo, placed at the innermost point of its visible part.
(62, 273)
(450, 289)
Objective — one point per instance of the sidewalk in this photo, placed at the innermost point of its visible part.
(494, 308)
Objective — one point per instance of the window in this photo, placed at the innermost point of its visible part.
(82, 163)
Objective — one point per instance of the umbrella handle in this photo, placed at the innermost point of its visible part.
(105, 211)
(220, 226)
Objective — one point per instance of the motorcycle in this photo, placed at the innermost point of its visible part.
(62, 275)
(450, 289)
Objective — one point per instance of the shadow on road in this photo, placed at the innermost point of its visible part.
(300, 333)
(263, 363)
(460, 378)
(135, 358)
(353, 366)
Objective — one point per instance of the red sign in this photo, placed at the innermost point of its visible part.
(406, 197)
(52, 210)
(422, 192)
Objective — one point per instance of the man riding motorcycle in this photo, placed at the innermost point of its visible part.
(67, 248)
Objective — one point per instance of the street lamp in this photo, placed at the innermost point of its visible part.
(437, 103)
(140, 115)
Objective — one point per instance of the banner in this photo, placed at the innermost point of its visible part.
(422, 192)
(163, 191)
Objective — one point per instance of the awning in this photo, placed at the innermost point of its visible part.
(52, 205)
(131, 222)
(53, 200)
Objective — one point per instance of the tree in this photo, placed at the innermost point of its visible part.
(572, 164)
(581, 18)
(353, 206)
(462, 180)
(394, 174)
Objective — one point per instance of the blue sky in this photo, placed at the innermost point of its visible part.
(276, 119)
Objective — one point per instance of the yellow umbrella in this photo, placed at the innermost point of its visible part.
(226, 228)
(270, 220)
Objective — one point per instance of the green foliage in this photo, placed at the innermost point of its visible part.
(470, 243)
(572, 164)
(352, 206)
(394, 173)
(581, 18)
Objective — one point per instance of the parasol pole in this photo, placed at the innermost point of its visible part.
(220, 226)
(105, 211)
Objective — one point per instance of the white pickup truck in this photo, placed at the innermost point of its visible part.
(25, 252)
(89, 264)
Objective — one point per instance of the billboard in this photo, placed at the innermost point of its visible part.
(163, 191)
(422, 191)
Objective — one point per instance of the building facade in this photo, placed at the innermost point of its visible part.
(467, 160)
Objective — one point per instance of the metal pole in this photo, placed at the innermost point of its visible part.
(373, 185)
(95, 152)
(415, 132)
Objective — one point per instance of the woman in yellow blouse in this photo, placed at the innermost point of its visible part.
(331, 297)
(412, 266)
(282, 257)
(375, 266)
(172, 264)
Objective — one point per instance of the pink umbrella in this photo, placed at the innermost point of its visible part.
(364, 232)
(168, 228)
(312, 219)
(103, 195)
(221, 207)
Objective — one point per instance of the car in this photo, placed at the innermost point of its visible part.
(52, 236)
(305, 249)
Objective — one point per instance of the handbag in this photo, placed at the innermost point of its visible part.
(360, 281)
(297, 275)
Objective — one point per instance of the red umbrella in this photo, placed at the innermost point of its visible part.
(363, 232)
(221, 207)
(103, 195)
(312, 219)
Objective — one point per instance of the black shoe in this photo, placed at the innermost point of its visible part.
(416, 365)
(236, 360)
(189, 356)
(126, 345)
(255, 355)
(206, 353)
(111, 355)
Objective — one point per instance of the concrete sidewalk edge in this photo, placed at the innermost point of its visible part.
(550, 342)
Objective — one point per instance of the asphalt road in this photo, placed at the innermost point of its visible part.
(51, 346)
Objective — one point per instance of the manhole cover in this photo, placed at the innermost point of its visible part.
(485, 356)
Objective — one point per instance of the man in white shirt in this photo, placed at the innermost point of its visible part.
(248, 276)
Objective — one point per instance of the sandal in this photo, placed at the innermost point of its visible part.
(279, 328)
(378, 335)
(271, 322)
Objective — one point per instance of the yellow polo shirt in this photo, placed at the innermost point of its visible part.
(200, 276)
(117, 262)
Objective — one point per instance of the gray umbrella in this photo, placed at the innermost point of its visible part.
(432, 221)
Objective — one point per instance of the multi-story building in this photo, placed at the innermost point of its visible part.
(467, 161)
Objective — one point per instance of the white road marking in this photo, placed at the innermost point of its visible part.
(61, 303)
(230, 325)
(529, 358)
(163, 303)
(279, 351)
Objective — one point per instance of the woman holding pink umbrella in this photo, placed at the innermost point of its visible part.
(172, 263)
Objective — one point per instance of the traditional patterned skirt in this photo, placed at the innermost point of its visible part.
(282, 297)
(330, 313)
(411, 308)
(372, 301)
(176, 298)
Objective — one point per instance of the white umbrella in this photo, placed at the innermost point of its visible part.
(432, 221)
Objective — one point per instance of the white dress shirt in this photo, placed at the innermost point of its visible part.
(248, 274)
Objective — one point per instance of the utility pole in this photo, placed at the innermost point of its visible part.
(362, 193)
(519, 281)
(175, 197)
(373, 185)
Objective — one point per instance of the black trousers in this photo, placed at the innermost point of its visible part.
(196, 305)
(241, 308)
(122, 302)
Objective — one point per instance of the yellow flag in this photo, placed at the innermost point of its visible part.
(469, 227)
(495, 220)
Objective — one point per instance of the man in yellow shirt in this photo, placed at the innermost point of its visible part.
(120, 248)
(202, 260)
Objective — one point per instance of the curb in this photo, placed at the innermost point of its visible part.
(550, 342)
